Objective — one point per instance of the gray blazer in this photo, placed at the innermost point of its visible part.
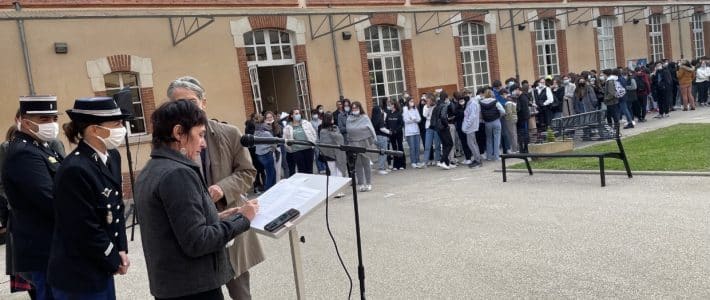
(183, 238)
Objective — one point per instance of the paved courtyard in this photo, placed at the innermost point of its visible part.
(463, 234)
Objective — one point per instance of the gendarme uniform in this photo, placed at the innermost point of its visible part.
(27, 174)
(90, 226)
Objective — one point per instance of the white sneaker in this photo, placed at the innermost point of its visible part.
(443, 166)
(368, 188)
(452, 166)
(467, 162)
(415, 166)
(340, 195)
(363, 188)
(382, 172)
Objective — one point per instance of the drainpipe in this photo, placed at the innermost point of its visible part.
(515, 45)
(25, 51)
(335, 56)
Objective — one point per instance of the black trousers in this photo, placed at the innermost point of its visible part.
(447, 143)
(215, 294)
(464, 145)
(643, 103)
(303, 160)
(397, 144)
(523, 135)
(703, 91)
(613, 114)
(663, 98)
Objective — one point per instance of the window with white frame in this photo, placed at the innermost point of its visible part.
(696, 24)
(116, 82)
(655, 37)
(384, 62)
(546, 45)
(605, 41)
(474, 55)
(269, 47)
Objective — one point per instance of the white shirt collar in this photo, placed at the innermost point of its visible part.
(102, 156)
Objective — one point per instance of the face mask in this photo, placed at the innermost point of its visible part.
(390, 107)
(347, 108)
(406, 96)
(566, 81)
(602, 78)
(19, 126)
(411, 104)
(320, 111)
(356, 113)
(315, 117)
(462, 102)
(46, 131)
(269, 121)
(115, 137)
(447, 101)
(297, 118)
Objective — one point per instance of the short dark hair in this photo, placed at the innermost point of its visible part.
(180, 112)
(497, 83)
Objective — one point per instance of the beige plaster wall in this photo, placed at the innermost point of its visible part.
(434, 60)
(635, 41)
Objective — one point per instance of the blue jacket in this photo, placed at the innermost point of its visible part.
(90, 228)
(27, 175)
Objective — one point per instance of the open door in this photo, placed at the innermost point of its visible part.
(302, 93)
(255, 88)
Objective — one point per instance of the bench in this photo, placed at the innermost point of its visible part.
(589, 126)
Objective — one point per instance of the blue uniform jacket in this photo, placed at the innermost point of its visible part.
(27, 175)
(90, 227)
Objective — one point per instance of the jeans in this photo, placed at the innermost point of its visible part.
(319, 164)
(624, 107)
(43, 290)
(381, 144)
(579, 107)
(504, 138)
(108, 294)
(493, 135)
(413, 142)
(432, 139)
(302, 159)
(267, 160)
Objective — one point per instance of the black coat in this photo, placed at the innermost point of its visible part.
(395, 123)
(523, 107)
(28, 175)
(90, 227)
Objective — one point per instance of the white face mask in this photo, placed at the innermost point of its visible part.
(115, 137)
(315, 117)
(356, 113)
(297, 118)
(47, 131)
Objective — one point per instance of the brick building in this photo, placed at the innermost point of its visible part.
(254, 56)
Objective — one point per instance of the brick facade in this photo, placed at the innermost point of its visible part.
(120, 63)
(470, 16)
(146, 3)
(619, 46)
(365, 71)
(656, 10)
(562, 52)
(249, 107)
(667, 42)
(648, 43)
(351, 2)
(383, 19)
(408, 58)
(596, 51)
(606, 11)
(263, 22)
(493, 61)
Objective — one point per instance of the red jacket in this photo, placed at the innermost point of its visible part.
(647, 81)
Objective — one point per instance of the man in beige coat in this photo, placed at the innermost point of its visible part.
(229, 173)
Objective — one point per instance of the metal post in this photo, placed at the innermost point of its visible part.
(25, 51)
(335, 56)
(296, 260)
(680, 32)
(515, 45)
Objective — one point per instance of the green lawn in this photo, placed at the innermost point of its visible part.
(682, 147)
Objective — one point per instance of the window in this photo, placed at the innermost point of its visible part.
(696, 24)
(474, 55)
(546, 44)
(269, 47)
(384, 62)
(605, 38)
(655, 37)
(117, 81)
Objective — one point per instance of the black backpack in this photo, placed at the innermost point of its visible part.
(490, 112)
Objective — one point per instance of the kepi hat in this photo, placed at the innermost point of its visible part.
(96, 110)
(38, 105)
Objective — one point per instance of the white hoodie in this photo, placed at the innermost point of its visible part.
(702, 74)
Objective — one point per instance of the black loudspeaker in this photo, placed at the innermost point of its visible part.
(124, 100)
(347, 35)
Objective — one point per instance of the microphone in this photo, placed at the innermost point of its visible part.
(249, 140)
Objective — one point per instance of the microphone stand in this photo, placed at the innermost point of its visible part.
(132, 209)
(352, 153)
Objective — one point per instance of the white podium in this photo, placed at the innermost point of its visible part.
(304, 192)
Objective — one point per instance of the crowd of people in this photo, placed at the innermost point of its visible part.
(469, 129)
(64, 211)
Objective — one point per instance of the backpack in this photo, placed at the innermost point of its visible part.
(620, 90)
(490, 112)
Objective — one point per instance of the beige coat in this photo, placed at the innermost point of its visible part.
(232, 170)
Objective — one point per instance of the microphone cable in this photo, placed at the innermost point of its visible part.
(330, 232)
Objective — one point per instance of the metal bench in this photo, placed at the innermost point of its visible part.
(587, 127)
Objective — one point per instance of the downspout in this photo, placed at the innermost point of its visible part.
(25, 51)
(335, 56)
